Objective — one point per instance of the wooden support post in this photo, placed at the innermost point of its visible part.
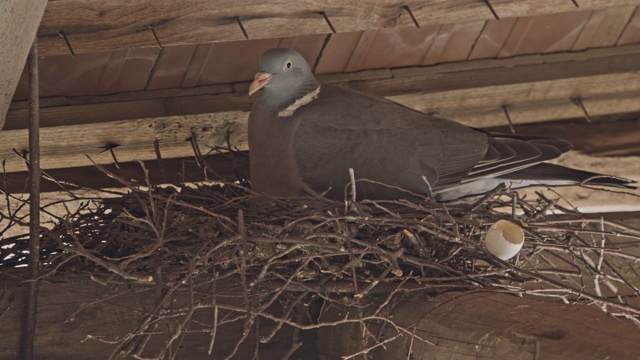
(19, 21)
(34, 205)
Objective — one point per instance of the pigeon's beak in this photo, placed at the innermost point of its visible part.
(259, 81)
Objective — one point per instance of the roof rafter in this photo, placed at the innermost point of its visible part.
(78, 26)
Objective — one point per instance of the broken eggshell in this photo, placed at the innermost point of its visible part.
(504, 239)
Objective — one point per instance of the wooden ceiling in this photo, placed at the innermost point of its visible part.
(105, 25)
(131, 79)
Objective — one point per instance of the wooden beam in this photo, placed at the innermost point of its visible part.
(129, 140)
(228, 167)
(617, 138)
(69, 326)
(486, 325)
(181, 103)
(82, 313)
(514, 70)
(532, 102)
(101, 25)
(588, 199)
(19, 22)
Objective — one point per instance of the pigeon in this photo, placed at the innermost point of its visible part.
(305, 136)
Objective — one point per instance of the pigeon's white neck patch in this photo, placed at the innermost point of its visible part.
(300, 102)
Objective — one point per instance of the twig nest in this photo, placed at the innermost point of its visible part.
(504, 239)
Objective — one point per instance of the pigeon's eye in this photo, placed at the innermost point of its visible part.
(288, 65)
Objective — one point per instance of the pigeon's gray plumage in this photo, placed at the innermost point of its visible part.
(304, 136)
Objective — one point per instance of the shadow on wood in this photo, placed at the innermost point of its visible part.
(488, 326)
(77, 321)
(176, 171)
(471, 326)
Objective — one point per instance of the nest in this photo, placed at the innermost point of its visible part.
(276, 264)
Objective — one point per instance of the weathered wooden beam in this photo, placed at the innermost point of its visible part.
(89, 317)
(19, 22)
(487, 325)
(127, 140)
(69, 326)
(228, 167)
(606, 138)
(533, 102)
(515, 70)
(99, 25)
(423, 80)
(179, 103)
(587, 199)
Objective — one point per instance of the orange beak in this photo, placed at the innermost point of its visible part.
(259, 81)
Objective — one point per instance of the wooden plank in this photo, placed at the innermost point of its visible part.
(123, 110)
(83, 314)
(607, 138)
(604, 28)
(543, 111)
(19, 22)
(486, 325)
(520, 69)
(71, 327)
(69, 146)
(514, 94)
(466, 11)
(75, 131)
(179, 170)
(532, 102)
(102, 25)
(454, 76)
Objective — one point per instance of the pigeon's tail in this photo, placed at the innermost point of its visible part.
(550, 174)
(537, 175)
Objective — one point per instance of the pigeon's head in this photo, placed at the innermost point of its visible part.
(284, 76)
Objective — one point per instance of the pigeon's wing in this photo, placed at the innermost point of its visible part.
(506, 155)
(382, 141)
(388, 143)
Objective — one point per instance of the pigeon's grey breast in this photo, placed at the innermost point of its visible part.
(273, 167)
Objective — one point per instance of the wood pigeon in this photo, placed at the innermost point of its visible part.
(305, 136)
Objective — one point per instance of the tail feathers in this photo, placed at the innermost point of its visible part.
(556, 173)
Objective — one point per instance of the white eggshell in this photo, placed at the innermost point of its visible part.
(504, 239)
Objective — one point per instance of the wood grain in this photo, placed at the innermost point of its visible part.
(544, 111)
(101, 25)
(19, 22)
(176, 171)
(69, 146)
(122, 110)
(520, 69)
(69, 327)
(617, 138)
(532, 102)
(492, 326)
